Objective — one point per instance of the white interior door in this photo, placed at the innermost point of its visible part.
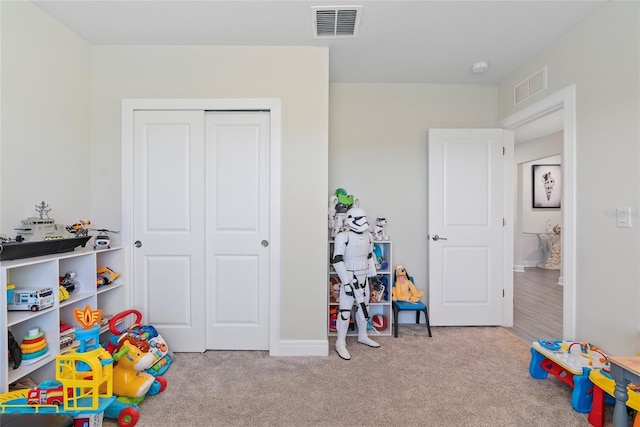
(168, 219)
(466, 226)
(237, 229)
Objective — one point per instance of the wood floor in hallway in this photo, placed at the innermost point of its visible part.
(537, 304)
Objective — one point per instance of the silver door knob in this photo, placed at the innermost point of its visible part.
(265, 243)
(138, 243)
(436, 237)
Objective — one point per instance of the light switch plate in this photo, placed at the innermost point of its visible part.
(623, 217)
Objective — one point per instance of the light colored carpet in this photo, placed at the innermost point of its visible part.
(462, 376)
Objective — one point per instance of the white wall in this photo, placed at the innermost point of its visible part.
(296, 75)
(45, 118)
(50, 96)
(61, 133)
(601, 56)
(378, 152)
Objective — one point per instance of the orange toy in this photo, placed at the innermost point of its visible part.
(405, 290)
(128, 377)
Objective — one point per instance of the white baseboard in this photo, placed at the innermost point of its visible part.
(532, 262)
(518, 268)
(561, 281)
(301, 348)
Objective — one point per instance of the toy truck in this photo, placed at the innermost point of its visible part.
(31, 299)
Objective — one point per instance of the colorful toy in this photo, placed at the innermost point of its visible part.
(67, 334)
(570, 362)
(379, 322)
(48, 393)
(603, 392)
(146, 337)
(381, 263)
(63, 295)
(334, 286)
(79, 228)
(106, 275)
(587, 350)
(33, 347)
(404, 290)
(83, 385)
(377, 290)
(136, 353)
(69, 282)
(128, 376)
(333, 318)
(339, 203)
(31, 299)
(10, 290)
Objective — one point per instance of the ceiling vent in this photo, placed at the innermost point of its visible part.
(335, 22)
(529, 87)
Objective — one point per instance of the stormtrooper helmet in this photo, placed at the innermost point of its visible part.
(357, 220)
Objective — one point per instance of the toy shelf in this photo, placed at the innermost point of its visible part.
(45, 272)
(382, 251)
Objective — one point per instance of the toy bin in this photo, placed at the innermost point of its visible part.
(10, 288)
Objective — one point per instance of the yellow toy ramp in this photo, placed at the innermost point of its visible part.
(608, 384)
(17, 394)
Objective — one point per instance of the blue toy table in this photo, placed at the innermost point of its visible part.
(570, 365)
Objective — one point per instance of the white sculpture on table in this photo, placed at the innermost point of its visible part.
(552, 244)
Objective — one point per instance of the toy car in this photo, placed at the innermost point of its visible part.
(31, 299)
(47, 393)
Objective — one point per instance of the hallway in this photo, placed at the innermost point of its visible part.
(537, 304)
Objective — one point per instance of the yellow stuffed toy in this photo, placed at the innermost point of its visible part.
(405, 290)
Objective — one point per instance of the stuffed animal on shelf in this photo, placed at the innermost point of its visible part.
(378, 231)
(404, 290)
(339, 203)
(334, 289)
(377, 290)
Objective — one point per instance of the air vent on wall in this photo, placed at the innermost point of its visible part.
(529, 87)
(335, 22)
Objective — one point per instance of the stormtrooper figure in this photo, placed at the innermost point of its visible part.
(354, 262)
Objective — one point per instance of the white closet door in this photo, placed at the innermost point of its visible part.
(237, 230)
(168, 221)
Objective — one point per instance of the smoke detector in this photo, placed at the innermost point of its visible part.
(335, 22)
(480, 67)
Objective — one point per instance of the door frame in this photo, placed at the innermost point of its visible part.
(273, 105)
(564, 99)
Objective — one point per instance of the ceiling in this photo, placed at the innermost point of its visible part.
(417, 41)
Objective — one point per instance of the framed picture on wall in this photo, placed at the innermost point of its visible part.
(547, 186)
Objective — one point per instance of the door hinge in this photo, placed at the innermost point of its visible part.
(503, 293)
(503, 150)
(504, 222)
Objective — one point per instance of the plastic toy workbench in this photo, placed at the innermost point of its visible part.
(570, 362)
(603, 392)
